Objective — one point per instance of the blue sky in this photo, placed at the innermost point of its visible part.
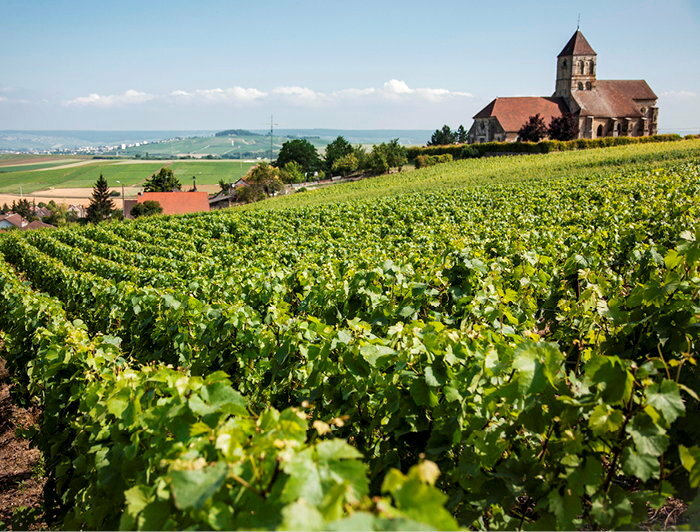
(357, 65)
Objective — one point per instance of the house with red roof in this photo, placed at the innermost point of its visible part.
(176, 202)
(603, 108)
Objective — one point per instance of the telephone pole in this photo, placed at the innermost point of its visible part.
(272, 131)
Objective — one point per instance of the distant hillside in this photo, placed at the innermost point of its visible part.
(236, 132)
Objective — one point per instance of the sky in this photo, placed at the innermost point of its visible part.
(205, 64)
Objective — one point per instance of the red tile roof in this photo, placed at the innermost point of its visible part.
(577, 45)
(178, 202)
(512, 113)
(36, 224)
(614, 98)
(14, 218)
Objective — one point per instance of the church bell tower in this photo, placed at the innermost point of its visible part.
(576, 67)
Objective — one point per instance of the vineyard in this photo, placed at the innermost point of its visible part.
(489, 344)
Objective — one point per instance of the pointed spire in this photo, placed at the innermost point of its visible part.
(577, 45)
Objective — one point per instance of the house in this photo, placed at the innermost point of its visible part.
(603, 108)
(36, 224)
(222, 199)
(12, 220)
(172, 202)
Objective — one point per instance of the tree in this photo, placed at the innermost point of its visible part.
(225, 187)
(101, 206)
(262, 181)
(396, 154)
(385, 156)
(376, 161)
(346, 164)
(292, 172)
(533, 130)
(5, 208)
(340, 147)
(59, 214)
(300, 151)
(461, 134)
(147, 208)
(443, 136)
(163, 181)
(564, 127)
(23, 208)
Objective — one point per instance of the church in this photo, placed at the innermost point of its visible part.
(603, 108)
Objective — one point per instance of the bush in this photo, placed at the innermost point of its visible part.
(147, 208)
(461, 151)
(431, 160)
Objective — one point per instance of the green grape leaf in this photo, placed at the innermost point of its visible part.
(191, 489)
(605, 419)
(642, 466)
(666, 398)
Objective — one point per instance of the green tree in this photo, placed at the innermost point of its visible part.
(376, 161)
(5, 208)
(163, 181)
(262, 180)
(101, 206)
(533, 130)
(346, 164)
(300, 151)
(442, 137)
(147, 208)
(24, 209)
(461, 134)
(396, 154)
(292, 172)
(340, 147)
(564, 127)
(59, 214)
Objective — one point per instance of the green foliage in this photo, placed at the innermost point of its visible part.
(563, 127)
(545, 146)
(147, 208)
(444, 136)
(163, 181)
(300, 151)
(346, 164)
(431, 160)
(262, 181)
(337, 149)
(533, 130)
(292, 172)
(101, 206)
(517, 353)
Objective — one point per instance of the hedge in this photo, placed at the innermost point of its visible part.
(466, 151)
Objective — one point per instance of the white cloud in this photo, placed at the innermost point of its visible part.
(3, 99)
(109, 100)
(394, 89)
(679, 95)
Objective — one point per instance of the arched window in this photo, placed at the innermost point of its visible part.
(599, 132)
(580, 67)
(563, 64)
(580, 85)
(589, 66)
(591, 69)
(588, 85)
(619, 128)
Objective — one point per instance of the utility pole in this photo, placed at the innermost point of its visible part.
(272, 131)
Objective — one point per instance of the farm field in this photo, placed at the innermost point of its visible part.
(501, 343)
(129, 172)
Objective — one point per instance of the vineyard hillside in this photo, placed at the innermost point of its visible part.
(498, 343)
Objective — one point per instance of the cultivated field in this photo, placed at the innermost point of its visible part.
(83, 174)
(501, 343)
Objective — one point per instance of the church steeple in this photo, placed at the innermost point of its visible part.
(576, 66)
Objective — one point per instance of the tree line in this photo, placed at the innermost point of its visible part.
(299, 162)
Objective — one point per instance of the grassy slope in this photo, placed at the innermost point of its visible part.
(207, 172)
(460, 174)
